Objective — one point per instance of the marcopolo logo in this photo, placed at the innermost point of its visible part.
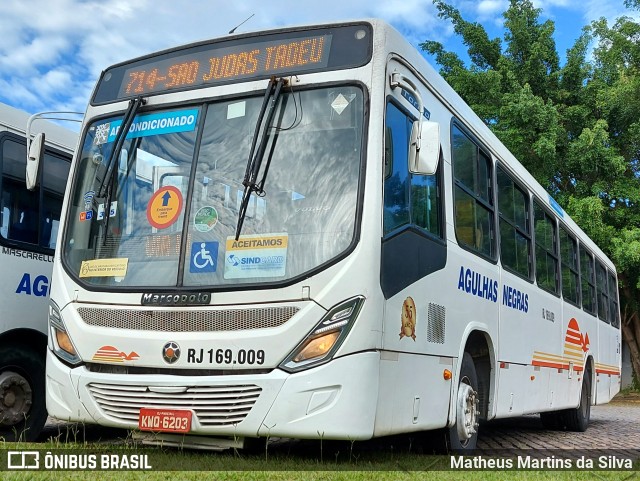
(176, 299)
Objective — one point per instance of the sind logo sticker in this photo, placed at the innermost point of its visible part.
(252, 256)
(112, 354)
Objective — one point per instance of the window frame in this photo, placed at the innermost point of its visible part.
(604, 294)
(489, 205)
(555, 255)
(514, 228)
(572, 271)
(590, 280)
(41, 195)
(388, 170)
(614, 300)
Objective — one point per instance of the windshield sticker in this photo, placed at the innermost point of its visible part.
(164, 207)
(104, 268)
(113, 210)
(149, 124)
(206, 218)
(100, 214)
(236, 110)
(204, 257)
(86, 215)
(340, 103)
(88, 198)
(256, 256)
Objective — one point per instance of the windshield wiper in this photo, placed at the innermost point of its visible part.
(127, 120)
(109, 180)
(263, 125)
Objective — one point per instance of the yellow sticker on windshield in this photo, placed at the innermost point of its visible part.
(104, 268)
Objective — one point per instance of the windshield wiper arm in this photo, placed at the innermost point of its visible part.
(127, 120)
(254, 163)
(109, 180)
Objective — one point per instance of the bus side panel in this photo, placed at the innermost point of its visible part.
(415, 395)
(24, 281)
(607, 363)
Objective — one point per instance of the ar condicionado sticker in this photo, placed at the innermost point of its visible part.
(164, 207)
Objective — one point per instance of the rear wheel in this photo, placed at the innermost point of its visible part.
(550, 420)
(578, 419)
(22, 393)
(463, 436)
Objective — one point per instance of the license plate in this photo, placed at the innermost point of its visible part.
(164, 420)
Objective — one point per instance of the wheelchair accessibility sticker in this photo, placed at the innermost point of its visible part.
(204, 257)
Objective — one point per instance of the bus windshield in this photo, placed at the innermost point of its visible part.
(168, 214)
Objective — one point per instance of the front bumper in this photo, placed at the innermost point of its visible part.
(336, 400)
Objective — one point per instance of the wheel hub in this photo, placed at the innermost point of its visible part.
(467, 413)
(16, 398)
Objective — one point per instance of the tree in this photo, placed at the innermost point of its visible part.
(575, 127)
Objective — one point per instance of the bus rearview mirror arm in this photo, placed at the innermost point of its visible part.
(424, 146)
(35, 147)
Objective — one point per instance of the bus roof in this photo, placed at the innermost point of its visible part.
(15, 120)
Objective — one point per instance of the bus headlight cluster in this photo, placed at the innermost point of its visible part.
(61, 343)
(325, 338)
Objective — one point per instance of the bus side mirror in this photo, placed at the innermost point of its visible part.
(424, 148)
(34, 158)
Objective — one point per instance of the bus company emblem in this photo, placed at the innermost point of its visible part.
(176, 299)
(171, 352)
(113, 354)
(408, 319)
(575, 339)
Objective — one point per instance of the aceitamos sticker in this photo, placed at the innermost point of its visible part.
(256, 256)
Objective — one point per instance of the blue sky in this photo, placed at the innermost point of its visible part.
(52, 51)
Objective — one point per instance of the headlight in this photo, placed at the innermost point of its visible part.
(325, 338)
(59, 339)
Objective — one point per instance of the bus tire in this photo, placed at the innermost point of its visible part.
(551, 420)
(23, 411)
(577, 419)
(463, 435)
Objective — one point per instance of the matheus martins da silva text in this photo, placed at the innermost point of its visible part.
(549, 462)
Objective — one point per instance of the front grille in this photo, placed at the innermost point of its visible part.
(213, 406)
(188, 320)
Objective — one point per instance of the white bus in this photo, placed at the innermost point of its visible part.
(29, 222)
(306, 233)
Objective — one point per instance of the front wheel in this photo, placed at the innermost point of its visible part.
(463, 436)
(23, 411)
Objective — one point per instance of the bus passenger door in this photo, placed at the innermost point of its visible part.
(413, 394)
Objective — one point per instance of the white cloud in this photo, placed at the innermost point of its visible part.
(52, 51)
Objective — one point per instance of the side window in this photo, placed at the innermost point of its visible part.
(588, 281)
(603, 292)
(614, 311)
(569, 266)
(408, 198)
(472, 194)
(546, 250)
(31, 217)
(54, 182)
(515, 230)
(19, 206)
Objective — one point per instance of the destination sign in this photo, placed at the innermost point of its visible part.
(231, 63)
(238, 59)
